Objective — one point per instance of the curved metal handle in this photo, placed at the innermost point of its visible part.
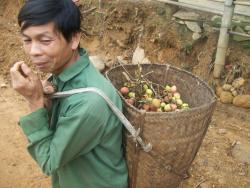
(134, 133)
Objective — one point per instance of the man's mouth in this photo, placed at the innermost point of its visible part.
(40, 64)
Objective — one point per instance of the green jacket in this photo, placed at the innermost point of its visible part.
(79, 142)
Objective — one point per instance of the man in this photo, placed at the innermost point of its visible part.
(79, 140)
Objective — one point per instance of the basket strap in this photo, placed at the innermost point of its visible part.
(134, 133)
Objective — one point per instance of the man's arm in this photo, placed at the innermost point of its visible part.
(78, 132)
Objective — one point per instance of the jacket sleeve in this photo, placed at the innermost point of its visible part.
(78, 132)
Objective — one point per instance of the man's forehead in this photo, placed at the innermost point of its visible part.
(45, 29)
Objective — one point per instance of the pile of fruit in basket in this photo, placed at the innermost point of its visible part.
(142, 93)
(166, 99)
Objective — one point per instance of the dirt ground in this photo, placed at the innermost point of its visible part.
(114, 31)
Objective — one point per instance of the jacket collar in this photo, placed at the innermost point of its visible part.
(76, 67)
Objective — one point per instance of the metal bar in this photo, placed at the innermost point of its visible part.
(242, 3)
(200, 8)
(223, 41)
(233, 32)
(237, 33)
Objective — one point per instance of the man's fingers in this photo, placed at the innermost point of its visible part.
(48, 88)
(15, 72)
(26, 70)
(16, 66)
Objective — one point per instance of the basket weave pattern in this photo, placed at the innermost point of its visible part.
(175, 136)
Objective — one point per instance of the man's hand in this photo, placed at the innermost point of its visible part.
(27, 83)
(48, 89)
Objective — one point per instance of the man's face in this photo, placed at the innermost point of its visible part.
(47, 48)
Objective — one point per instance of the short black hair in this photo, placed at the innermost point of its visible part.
(63, 13)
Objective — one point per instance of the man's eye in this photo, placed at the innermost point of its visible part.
(26, 41)
(46, 41)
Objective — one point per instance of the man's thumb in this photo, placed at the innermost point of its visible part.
(48, 90)
(26, 70)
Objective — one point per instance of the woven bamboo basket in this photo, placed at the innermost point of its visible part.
(175, 136)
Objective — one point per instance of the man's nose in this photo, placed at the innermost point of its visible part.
(35, 49)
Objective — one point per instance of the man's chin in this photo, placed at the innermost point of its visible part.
(43, 69)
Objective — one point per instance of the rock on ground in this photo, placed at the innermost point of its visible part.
(183, 15)
(98, 62)
(193, 26)
(226, 97)
(241, 152)
(242, 101)
(138, 56)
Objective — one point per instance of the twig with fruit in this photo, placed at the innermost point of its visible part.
(145, 94)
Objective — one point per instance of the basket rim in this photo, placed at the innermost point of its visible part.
(212, 100)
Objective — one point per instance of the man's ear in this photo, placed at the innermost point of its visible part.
(75, 40)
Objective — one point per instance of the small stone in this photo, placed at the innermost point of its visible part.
(241, 152)
(242, 101)
(242, 173)
(232, 89)
(98, 62)
(179, 21)
(234, 92)
(3, 85)
(226, 87)
(193, 26)
(196, 36)
(226, 97)
(184, 15)
(138, 55)
(218, 91)
(247, 28)
(222, 131)
(237, 83)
